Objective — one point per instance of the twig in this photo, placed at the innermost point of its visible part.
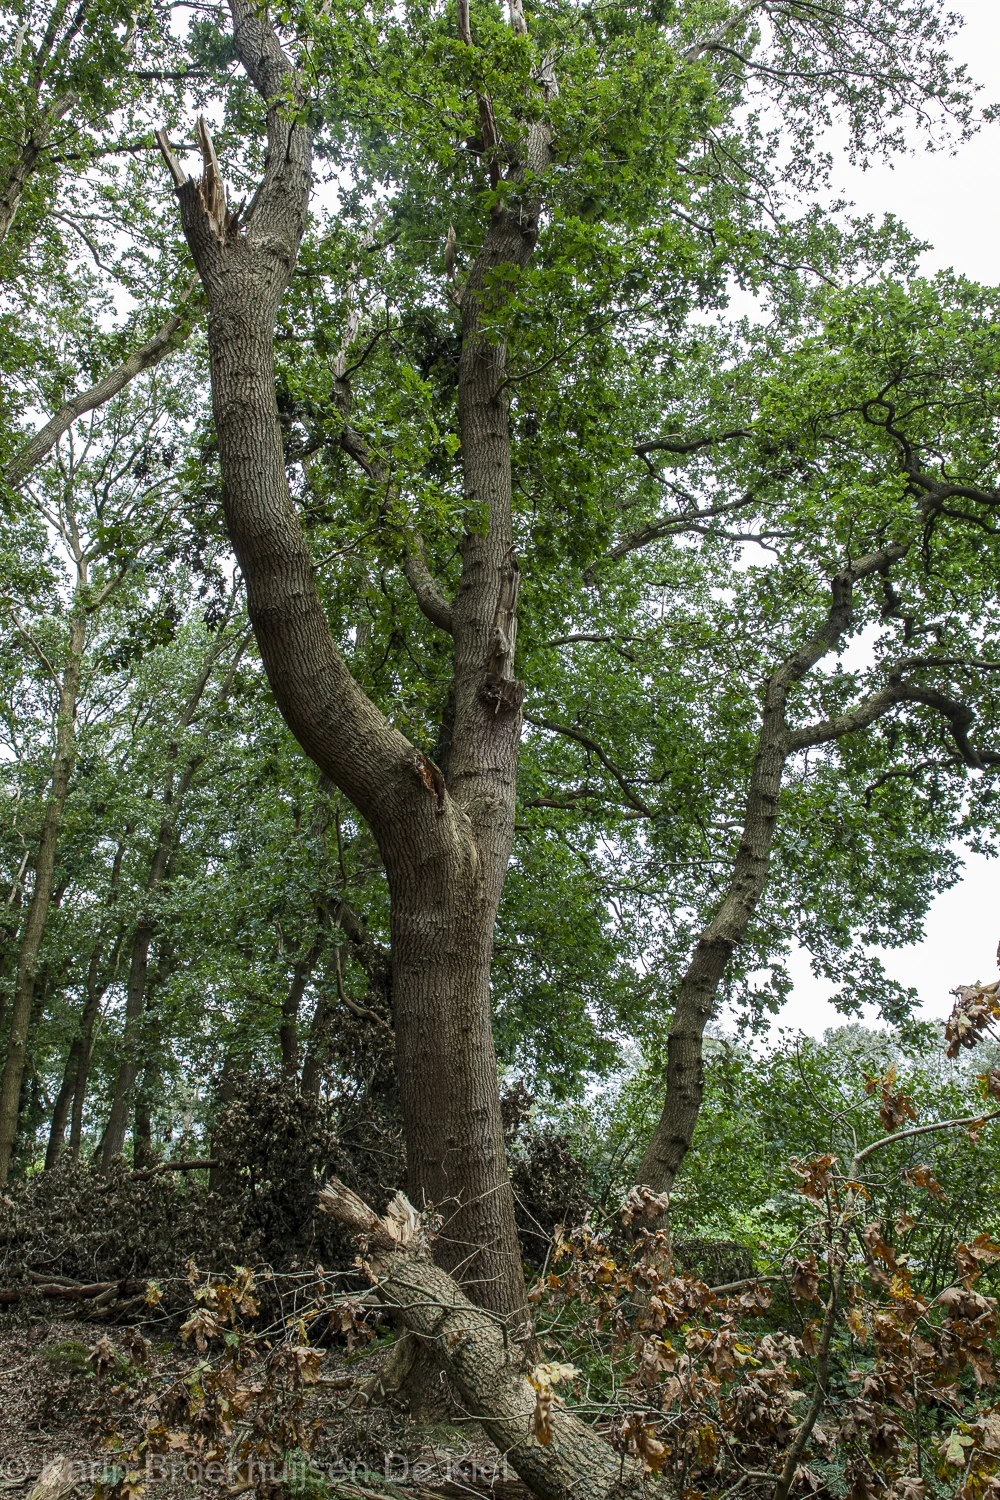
(902, 1135)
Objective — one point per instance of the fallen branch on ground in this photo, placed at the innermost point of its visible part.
(56, 1481)
(99, 1291)
(556, 1454)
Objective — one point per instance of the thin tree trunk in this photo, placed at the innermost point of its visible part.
(61, 1108)
(699, 985)
(9, 925)
(288, 1031)
(697, 991)
(41, 896)
(78, 1058)
(116, 1129)
(150, 1059)
(142, 1130)
(80, 1090)
(91, 1015)
(88, 1037)
(312, 1067)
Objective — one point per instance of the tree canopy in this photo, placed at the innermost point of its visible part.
(487, 569)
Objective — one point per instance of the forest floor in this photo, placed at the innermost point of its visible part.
(50, 1406)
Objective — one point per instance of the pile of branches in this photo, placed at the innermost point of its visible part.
(848, 1370)
(89, 1241)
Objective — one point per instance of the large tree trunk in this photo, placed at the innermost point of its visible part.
(442, 941)
(41, 896)
(445, 847)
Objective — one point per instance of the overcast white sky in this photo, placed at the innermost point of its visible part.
(954, 202)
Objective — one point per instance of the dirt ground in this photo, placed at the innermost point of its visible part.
(51, 1405)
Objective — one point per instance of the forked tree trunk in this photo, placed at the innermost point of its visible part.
(699, 986)
(445, 847)
(41, 896)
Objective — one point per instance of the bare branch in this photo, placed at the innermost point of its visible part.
(633, 800)
(902, 1135)
(675, 525)
(675, 443)
(959, 716)
(713, 43)
(416, 569)
(177, 172)
(838, 618)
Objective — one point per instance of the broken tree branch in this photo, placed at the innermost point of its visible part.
(485, 1364)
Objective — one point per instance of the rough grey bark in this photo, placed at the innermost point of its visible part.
(445, 845)
(41, 896)
(488, 1369)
